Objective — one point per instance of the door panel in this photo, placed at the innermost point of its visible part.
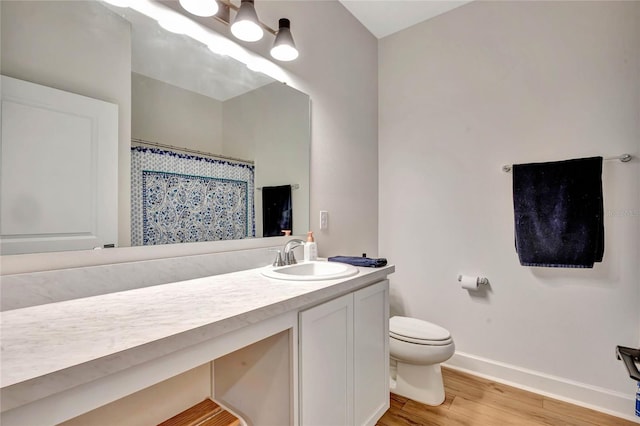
(59, 175)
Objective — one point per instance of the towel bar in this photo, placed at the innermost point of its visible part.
(293, 186)
(624, 158)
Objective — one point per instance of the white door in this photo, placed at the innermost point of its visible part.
(326, 364)
(59, 175)
(371, 353)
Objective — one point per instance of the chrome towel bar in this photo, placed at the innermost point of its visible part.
(624, 158)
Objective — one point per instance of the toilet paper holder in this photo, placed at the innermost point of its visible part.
(479, 280)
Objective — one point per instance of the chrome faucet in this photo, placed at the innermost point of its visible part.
(289, 258)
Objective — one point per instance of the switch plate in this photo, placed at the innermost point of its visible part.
(324, 219)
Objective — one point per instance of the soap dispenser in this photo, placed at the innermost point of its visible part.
(310, 248)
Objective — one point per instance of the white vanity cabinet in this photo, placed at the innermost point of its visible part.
(274, 352)
(371, 353)
(344, 359)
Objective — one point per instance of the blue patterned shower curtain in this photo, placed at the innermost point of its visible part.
(178, 198)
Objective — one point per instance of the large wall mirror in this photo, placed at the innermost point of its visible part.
(174, 95)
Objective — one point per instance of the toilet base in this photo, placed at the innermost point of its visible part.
(421, 383)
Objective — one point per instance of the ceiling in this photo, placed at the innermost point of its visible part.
(385, 17)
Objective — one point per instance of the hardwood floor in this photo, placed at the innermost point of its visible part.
(473, 401)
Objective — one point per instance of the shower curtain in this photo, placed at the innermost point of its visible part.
(177, 198)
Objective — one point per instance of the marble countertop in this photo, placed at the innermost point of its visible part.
(84, 339)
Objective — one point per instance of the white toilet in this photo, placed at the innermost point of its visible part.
(419, 347)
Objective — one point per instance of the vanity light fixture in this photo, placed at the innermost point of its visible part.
(284, 49)
(218, 43)
(246, 25)
(204, 8)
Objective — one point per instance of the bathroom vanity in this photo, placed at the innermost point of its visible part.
(277, 351)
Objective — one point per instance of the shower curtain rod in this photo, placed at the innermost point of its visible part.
(624, 158)
(293, 186)
(189, 151)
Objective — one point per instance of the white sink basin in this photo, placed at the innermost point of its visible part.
(311, 271)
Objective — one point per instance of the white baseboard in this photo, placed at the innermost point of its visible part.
(584, 395)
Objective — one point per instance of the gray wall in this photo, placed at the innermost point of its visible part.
(173, 116)
(273, 130)
(337, 67)
(494, 83)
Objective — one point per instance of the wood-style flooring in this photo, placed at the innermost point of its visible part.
(474, 401)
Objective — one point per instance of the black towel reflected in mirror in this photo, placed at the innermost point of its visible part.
(277, 210)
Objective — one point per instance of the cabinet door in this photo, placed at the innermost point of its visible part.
(371, 353)
(326, 363)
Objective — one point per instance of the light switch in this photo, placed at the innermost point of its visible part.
(324, 219)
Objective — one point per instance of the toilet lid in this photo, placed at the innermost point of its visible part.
(415, 329)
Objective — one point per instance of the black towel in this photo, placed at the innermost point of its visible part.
(277, 212)
(559, 213)
(360, 261)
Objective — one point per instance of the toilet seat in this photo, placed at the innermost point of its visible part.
(422, 342)
(416, 331)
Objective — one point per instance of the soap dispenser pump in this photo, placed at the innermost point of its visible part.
(310, 248)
